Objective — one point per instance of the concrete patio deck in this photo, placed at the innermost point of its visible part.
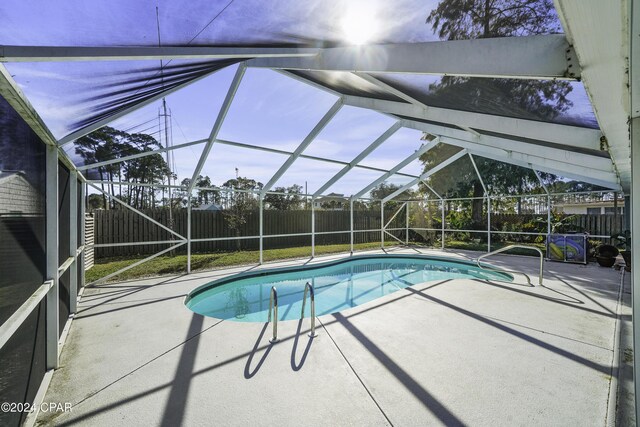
(456, 352)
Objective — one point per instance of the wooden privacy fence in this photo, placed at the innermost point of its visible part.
(125, 226)
(596, 225)
(603, 225)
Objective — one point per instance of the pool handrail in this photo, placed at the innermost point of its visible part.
(506, 248)
(309, 288)
(273, 305)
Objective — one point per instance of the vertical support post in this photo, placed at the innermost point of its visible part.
(313, 228)
(615, 212)
(546, 190)
(634, 80)
(442, 221)
(52, 323)
(261, 226)
(626, 217)
(382, 224)
(73, 242)
(83, 232)
(486, 194)
(635, 249)
(351, 223)
(406, 241)
(488, 223)
(189, 232)
(548, 216)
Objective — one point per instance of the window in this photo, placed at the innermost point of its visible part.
(593, 211)
(611, 211)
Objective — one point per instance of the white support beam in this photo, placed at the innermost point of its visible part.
(128, 53)
(432, 190)
(568, 170)
(351, 225)
(12, 93)
(137, 263)
(512, 145)
(546, 190)
(73, 241)
(261, 229)
(19, 316)
(53, 322)
(313, 229)
(600, 32)
(563, 135)
(189, 239)
(426, 147)
(388, 88)
(415, 102)
(544, 186)
(517, 148)
(302, 156)
(425, 175)
(382, 224)
(309, 82)
(375, 144)
(395, 215)
(530, 57)
(139, 155)
(406, 225)
(131, 208)
(475, 167)
(304, 144)
(138, 184)
(82, 237)
(634, 167)
(222, 114)
(635, 242)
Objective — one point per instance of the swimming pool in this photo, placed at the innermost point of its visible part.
(338, 285)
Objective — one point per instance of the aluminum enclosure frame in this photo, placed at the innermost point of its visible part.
(560, 63)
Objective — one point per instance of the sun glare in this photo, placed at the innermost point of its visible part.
(359, 25)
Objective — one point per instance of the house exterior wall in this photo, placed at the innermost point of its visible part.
(18, 197)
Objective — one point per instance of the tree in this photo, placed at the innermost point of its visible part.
(383, 190)
(460, 180)
(531, 99)
(95, 201)
(98, 146)
(205, 194)
(109, 144)
(473, 19)
(182, 194)
(151, 169)
(289, 198)
(240, 204)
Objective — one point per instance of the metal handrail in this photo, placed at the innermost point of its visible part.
(273, 305)
(308, 288)
(506, 248)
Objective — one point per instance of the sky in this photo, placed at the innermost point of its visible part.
(269, 109)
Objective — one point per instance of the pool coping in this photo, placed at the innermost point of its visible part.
(305, 267)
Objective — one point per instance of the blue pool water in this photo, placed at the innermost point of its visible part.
(338, 285)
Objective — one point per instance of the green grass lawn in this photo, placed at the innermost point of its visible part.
(178, 264)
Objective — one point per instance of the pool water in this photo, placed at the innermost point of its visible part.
(338, 285)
